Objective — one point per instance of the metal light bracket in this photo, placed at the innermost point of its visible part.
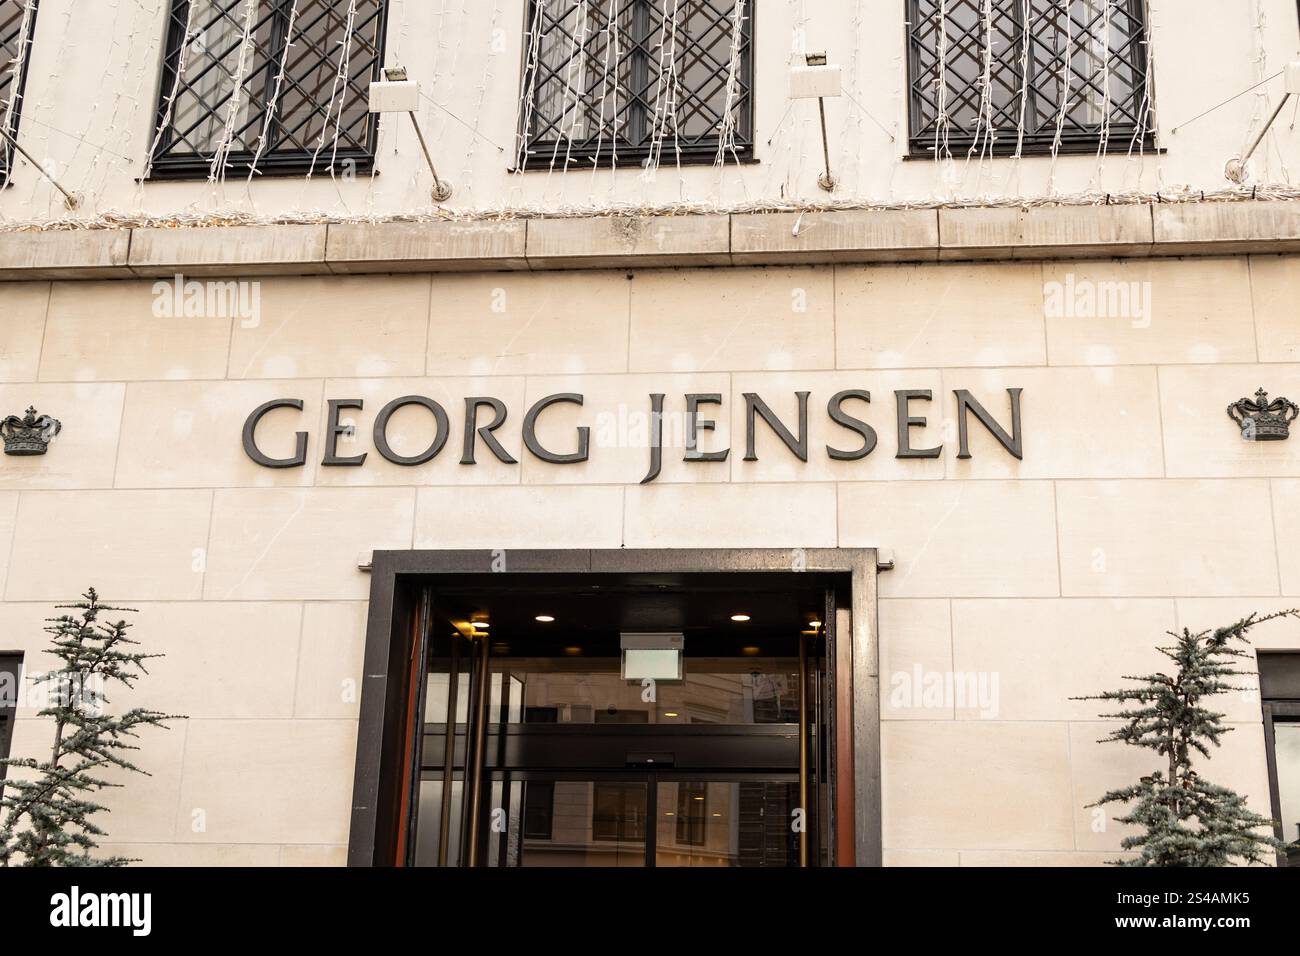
(396, 93)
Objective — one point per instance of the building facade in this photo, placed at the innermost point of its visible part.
(890, 422)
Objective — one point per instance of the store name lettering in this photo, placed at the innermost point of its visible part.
(484, 415)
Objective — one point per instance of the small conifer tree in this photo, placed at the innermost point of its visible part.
(1186, 820)
(46, 814)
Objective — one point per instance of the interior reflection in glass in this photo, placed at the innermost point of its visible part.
(1286, 747)
(591, 691)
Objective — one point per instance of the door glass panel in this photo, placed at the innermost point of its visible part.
(1286, 747)
(591, 690)
(570, 823)
(734, 823)
(428, 816)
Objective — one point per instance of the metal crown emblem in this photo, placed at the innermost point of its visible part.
(1262, 420)
(29, 435)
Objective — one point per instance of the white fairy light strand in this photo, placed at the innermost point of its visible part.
(575, 51)
(611, 49)
(340, 80)
(1068, 51)
(1103, 138)
(984, 118)
(528, 95)
(577, 120)
(221, 154)
(275, 91)
(727, 128)
(16, 68)
(467, 183)
(166, 118)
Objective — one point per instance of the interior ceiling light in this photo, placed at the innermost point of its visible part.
(740, 618)
(544, 619)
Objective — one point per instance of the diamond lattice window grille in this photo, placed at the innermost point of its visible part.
(1037, 46)
(15, 53)
(605, 80)
(311, 104)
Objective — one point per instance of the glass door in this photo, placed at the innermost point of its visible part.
(548, 821)
(639, 819)
(535, 749)
(725, 823)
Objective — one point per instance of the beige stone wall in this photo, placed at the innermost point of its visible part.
(1136, 509)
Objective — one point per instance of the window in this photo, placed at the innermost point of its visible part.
(11, 667)
(618, 812)
(611, 82)
(691, 808)
(1279, 685)
(17, 23)
(1071, 73)
(277, 85)
(539, 810)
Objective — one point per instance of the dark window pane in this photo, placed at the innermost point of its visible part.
(1061, 71)
(282, 83)
(11, 666)
(17, 21)
(539, 807)
(621, 80)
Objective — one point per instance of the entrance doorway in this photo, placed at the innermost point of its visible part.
(628, 718)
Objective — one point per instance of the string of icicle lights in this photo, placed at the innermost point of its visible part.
(970, 177)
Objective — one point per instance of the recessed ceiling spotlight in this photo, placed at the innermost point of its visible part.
(671, 713)
(573, 651)
(750, 650)
(740, 618)
(544, 619)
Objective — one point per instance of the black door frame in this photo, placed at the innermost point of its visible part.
(385, 756)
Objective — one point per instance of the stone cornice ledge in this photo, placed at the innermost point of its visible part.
(621, 242)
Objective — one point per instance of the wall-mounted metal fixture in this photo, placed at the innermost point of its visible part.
(1236, 170)
(396, 93)
(29, 435)
(817, 80)
(1262, 420)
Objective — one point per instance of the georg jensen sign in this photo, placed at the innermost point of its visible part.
(843, 408)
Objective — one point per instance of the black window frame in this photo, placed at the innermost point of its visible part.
(1122, 137)
(19, 91)
(1279, 689)
(272, 162)
(691, 823)
(539, 810)
(10, 663)
(542, 154)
